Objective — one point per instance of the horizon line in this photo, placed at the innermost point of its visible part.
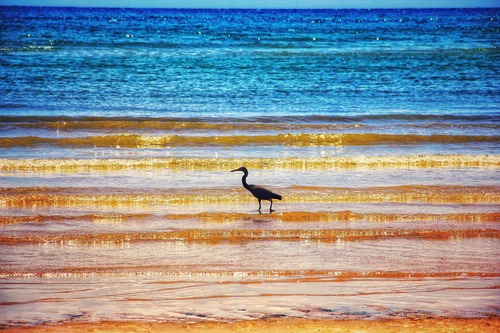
(251, 8)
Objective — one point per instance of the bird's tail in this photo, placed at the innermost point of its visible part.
(277, 196)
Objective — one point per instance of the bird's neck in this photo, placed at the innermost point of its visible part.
(244, 181)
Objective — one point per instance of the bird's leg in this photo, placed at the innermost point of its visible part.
(271, 208)
(259, 205)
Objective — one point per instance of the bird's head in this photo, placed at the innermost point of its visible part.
(242, 169)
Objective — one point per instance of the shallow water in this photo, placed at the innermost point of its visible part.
(119, 129)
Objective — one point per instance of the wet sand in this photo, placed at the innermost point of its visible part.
(435, 325)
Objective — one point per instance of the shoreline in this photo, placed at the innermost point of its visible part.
(436, 325)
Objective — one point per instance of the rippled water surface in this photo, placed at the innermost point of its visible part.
(119, 129)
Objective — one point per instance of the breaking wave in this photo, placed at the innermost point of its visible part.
(224, 164)
(74, 197)
(286, 217)
(161, 141)
(216, 236)
(266, 276)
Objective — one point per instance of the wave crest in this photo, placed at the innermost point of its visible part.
(67, 165)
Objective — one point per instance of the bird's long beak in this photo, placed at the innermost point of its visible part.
(235, 170)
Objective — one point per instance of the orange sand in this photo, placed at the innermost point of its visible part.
(436, 325)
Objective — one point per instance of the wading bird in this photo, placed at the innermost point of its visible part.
(259, 192)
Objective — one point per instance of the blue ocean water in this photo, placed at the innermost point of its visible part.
(167, 62)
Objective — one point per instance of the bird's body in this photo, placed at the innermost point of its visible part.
(258, 191)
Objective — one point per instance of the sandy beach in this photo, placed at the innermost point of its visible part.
(441, 325)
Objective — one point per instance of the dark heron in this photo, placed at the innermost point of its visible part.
(259, 192)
